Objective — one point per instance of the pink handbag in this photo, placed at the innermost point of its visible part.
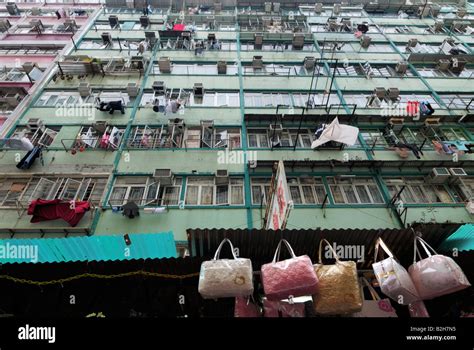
(435, 275)
(282, 309)
(244, 307)
(293, 277)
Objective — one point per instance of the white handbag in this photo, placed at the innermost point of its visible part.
(225, 278)
(377, 307)
(394, 280)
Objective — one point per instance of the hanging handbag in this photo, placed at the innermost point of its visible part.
(282, 309)
(293, 277)
(338, 290)
(223, 278)
(377, 307)
(246, 307)
(418, 309)
(435, 275)
(394, 280)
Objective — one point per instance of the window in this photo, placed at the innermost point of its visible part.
(418, 191)
(43, 136)
(306, 190)
(260, 190)
(204, 191)
(144, 191)
(197, 69)
(464, 190)
(354, 191)
(260, 138)
(99, 135)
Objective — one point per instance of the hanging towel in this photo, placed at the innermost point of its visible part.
(45, 210)
(336, 132)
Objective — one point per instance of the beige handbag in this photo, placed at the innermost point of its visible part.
(339, 291)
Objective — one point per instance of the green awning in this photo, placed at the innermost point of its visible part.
(462, 239)
(88, 248)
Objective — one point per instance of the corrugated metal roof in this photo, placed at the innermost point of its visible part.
(260, 245)
(462, 239)
(89, 248)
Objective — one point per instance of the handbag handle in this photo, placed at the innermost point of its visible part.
(218, 251)
(373, 292)
(384, 247)
(425, 247)
(330, 247)
(277, 252)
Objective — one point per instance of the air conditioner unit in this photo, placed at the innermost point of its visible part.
(443, 64)
(276, 128)
(28, 66)
(457, 25)
(424, 11)
(309, 63)
(222, 67)
(12, 9)
(198, 90)
(332, 24)
(35, 11)
(252, 164)
(276, 20)
(144, 21)
(257, 62)
(432, 122)
(393, 93)
(164, 63)
(113, 21)
(37, 24)
(13, 99)
(380, 92)
(363, 27)
(84, 89)
(461, 12)
(4, 25)
(164, 176)
(336, 9)
(106, 38)
(298, 41)
(438, 25)
(34, 124)
(268, 7)
(347, 22)
(457, 64)
(267, 21)
(397, 124)
(318, 7)
(158, 87)
(217, 7)
(412, 42)
(258, 37)
(70, 24)
(438, 176)
(365, 41)
(276, 7)
(435, 8)
(211, 37)
(470, 206)
(401, 67)
(221, 177)
(132, 89)
(457, 172)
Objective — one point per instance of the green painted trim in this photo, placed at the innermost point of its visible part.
(243, 141)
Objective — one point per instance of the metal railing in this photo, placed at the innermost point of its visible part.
(83, 144)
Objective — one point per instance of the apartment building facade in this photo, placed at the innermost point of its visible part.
(199, 102)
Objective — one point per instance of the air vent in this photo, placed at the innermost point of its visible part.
(438, 175)
(401, 67)
(164, 176)
(222, 67)
(113, 21)
(144, 21)
(198, 90)
(132, 89)
(457, 172)
(164, 63)
(84, 89)
(106, 38)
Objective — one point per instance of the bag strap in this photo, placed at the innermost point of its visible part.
(425, 247)
(373, 292)
(384, 247)
(330, 247)
(277, 252)
(218, 251)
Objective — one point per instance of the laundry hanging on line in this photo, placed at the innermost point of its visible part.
(27, 161)
(45, 210)
(336, 132)
(21, 144)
